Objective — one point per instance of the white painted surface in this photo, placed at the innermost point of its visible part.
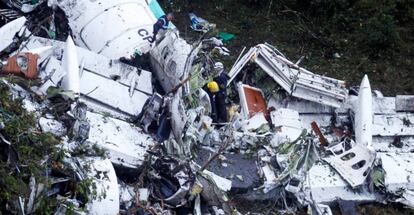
(325, 186)
(110, 27)
(295, 80)
(399, 171)
(9, 30)
(287, 123)
(256, 122)
(168, 59)
(401, 124)
(103, 175)
(100, 64)
(125, 143)
(354, 164)
(71, 81)
(222, 183)
(124, 97)
(53, 126)
(363, 114)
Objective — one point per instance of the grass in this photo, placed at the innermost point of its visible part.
(297, 33)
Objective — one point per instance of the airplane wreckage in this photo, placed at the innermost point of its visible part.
(305, 141)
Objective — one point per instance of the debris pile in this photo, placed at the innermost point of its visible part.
(110, 120)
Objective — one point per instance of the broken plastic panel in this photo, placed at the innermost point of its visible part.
(24, 64)
(125, 143)
(324, 185)
(169, 59)
(105, 185)
(287, 123)
(9, 30)
(352, 161)
(295, 80)
(252, 100)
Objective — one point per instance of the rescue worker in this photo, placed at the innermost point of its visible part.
(221, 79)
(216, 90)
(212, 89)
(162, 24)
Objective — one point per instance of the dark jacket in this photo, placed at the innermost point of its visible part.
(162, 23)
(218, 102)
(222, 80)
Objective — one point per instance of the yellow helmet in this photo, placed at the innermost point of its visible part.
(213, 86)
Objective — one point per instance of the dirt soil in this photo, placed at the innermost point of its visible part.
(297, 34)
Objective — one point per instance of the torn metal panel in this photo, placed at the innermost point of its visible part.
(53, 126)
(407, 199)
(381, 106)
(103, 175)
(252, 100)
(222, 183)
(9, 30)
(401, 124)
(271, 180)
(100, 79)
(257, 121)
(293, 79)
(241, 170)
(321, 209)
(171, 181)
(112, 28)
(352, 161)
(143, 194)
(324, 185)
(52, 74)
(126, 195)
(8, 15)
(399, 171)
(363, 114)
(99, 90)
(169, 58)
(394, 144)
(151, 111)
(125, 143)
(287, 123)
(178, 116)
(112, 69)
(404, 103)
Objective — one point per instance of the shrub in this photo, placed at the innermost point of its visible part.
(380, 32)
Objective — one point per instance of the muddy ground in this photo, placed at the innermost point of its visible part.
(318, 35)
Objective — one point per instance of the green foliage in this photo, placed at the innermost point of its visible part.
(86, 190)
(324, 9)
(29, 149)
(46, 205)
(90, 149)
(380, 32)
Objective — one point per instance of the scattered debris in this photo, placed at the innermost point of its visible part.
(112, 122)
(9, 31)
(200, 24)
